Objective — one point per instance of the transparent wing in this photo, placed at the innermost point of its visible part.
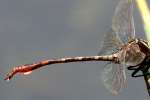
(114, 78)
(123, 22)
(122, 28)
(110, 43)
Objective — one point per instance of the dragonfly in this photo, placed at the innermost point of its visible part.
(121, 49)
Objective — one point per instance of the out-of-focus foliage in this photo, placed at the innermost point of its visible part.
(143, 8)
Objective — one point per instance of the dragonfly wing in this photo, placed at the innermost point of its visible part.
(122, 28)
(110, 43)
(114, 78)
(123, 22)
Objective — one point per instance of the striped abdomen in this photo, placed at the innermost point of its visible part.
(28, 68)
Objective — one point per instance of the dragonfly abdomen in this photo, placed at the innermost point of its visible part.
(27, 68)
(79, 59)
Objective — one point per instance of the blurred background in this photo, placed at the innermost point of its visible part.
(34, 30)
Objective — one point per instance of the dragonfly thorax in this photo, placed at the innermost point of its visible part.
(144, 47)
(132, 53)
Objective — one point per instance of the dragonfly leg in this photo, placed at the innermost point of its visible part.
(140, 68)
(132, 67)
(134, 74)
